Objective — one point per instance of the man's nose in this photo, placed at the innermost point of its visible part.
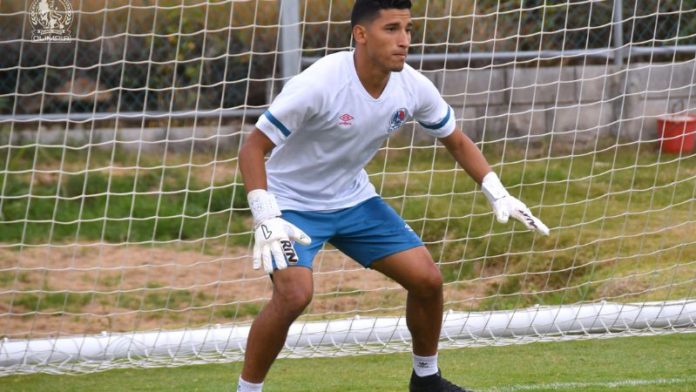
(404, 39)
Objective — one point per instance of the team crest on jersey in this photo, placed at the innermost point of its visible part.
(397, 119)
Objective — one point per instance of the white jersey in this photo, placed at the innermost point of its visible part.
(327, 127)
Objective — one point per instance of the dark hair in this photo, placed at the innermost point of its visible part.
(367, 10)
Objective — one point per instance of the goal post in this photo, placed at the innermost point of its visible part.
(125, 235)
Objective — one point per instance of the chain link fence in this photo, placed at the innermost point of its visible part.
(173, 55)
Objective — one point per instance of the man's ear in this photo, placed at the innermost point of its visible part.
(359, 34)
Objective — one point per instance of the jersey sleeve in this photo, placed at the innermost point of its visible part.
(288, 111)
(432, 112)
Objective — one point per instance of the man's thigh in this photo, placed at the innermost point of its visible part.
(414, 269)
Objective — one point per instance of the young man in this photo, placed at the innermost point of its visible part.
(323, 128)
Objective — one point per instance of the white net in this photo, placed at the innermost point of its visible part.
(124, 229)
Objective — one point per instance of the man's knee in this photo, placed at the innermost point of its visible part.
(292, 291)
(429, 284)
(293, 300)
(297, 299)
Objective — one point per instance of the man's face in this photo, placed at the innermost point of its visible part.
(387, 39)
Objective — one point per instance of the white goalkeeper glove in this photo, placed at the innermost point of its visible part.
(506, 206)
(273, 236)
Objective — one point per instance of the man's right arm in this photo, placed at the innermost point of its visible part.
(252, 160)
(273, 235)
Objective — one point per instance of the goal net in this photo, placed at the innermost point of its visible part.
(124, 230)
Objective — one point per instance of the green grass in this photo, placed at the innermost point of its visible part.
(619, 217)
(619, 212)
(658, 363)
(76, 197)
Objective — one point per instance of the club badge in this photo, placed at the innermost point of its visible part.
(51, 20)
(397, 119)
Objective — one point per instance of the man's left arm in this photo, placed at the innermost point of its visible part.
(467, 154)
(470, 158)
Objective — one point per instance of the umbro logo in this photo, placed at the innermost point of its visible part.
(345, 119)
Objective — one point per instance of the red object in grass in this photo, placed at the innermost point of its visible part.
(676, 133)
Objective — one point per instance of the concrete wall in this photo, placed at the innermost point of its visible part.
(571, 105)
(571, 102)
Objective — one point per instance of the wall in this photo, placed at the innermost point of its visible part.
(572, 102)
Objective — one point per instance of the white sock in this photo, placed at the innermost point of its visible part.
(424, 366)
(246, 386)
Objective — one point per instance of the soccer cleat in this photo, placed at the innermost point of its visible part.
(434, 383)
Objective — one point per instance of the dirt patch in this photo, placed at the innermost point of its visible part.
(89, 288)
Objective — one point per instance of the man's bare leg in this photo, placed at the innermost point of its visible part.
(292, 292)
(415, 270)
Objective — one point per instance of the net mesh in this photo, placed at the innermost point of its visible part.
(122, 210)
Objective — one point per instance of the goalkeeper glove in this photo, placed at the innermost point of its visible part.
(273, 236)
(504, 205)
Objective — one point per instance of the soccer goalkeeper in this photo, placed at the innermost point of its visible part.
(321, 131)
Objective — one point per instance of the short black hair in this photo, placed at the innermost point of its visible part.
(367, 10)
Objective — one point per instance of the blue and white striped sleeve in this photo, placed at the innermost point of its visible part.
(432, 112)
(287, 113)
(272, 127)
(444, 126)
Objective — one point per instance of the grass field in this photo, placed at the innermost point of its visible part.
(657, 363)
(621, 222)
(622, 231)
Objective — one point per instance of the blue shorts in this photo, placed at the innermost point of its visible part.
(366, 232)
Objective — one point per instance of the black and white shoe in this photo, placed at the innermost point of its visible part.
(433, 383)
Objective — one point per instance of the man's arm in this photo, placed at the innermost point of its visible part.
(272, 234)
(467, 154)
(475, 164)
(252, 162)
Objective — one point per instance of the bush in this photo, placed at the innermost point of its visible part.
(212, 54)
